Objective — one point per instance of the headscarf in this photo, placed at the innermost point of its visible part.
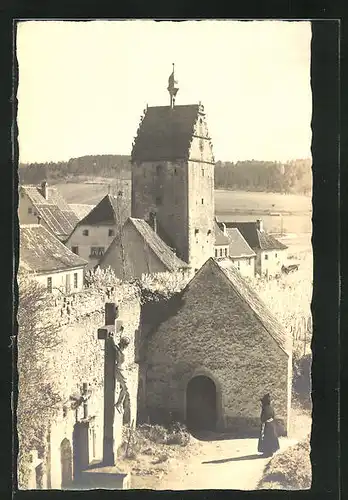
(266, 400)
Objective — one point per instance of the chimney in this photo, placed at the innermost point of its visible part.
(223, 227)
(44, 190)
(153, 221)
(259, 225)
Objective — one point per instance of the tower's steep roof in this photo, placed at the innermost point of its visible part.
(165, 133)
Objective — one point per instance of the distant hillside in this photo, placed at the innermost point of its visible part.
(290, 177)
(94, 166)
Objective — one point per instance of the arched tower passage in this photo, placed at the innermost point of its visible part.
(66, 461)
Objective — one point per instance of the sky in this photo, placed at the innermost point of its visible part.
(83, 86)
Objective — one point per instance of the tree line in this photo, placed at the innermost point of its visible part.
(291, 177)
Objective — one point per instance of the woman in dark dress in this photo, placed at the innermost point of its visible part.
(268, 441)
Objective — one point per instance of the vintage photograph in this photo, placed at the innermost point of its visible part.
(165, 267)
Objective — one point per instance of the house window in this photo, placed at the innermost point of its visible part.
(238, 264)
(85, 232)
(225, 252)
(49, 285)
(97, 252)
(75, 250)
(266, 256)
(75, 280)
(30, 210)
(249, 262)
(111, 232)
(220, 252)
(202, 201)
(158, 200)
(216, 253)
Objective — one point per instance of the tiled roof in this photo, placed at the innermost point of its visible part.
(220, 238)
(238, 245)
(259, 308)
(109, 211)
(57, 214)
(154, 242)
(41, 251)
(158, 246)
(165, 133)
(256, 239)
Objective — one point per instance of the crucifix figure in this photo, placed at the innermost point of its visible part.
(113, 327)
(119, 371)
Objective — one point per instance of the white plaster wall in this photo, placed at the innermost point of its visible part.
(98, 236)
(272, 261)
(59, 280)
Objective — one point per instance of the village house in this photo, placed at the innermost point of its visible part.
(210, 353)
(221, 243)
(271, 254)
(49, 261)
(173, 176)
(240, 254)
(45, 205)
(138, 250)
(94, 233)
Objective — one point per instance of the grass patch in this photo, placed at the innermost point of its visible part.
(290, 470)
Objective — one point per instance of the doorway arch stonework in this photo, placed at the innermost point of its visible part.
(204, 372)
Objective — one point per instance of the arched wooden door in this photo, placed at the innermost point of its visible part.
(201, 404)
(66, 463)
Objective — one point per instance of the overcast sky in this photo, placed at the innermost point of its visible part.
(83, 85)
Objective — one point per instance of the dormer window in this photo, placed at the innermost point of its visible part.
(85, 232)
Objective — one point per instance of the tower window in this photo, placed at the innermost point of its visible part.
(202, 201)
(158, 200)
(196, 231)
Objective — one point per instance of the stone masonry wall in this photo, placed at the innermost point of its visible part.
(212, 332)
(80, 358)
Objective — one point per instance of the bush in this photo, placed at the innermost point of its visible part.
(145, 439)
(301, 382)
(290, 469)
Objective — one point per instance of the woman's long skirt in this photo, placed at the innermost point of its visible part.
(268, 440)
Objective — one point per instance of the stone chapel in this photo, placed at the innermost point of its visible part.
(173, 177)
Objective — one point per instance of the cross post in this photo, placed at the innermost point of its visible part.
(112, 325)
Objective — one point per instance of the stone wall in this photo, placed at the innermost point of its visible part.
(208, 330)
(80, 359)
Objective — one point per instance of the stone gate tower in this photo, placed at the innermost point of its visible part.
(173, 177)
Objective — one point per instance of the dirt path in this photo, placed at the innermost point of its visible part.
(214, 464)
